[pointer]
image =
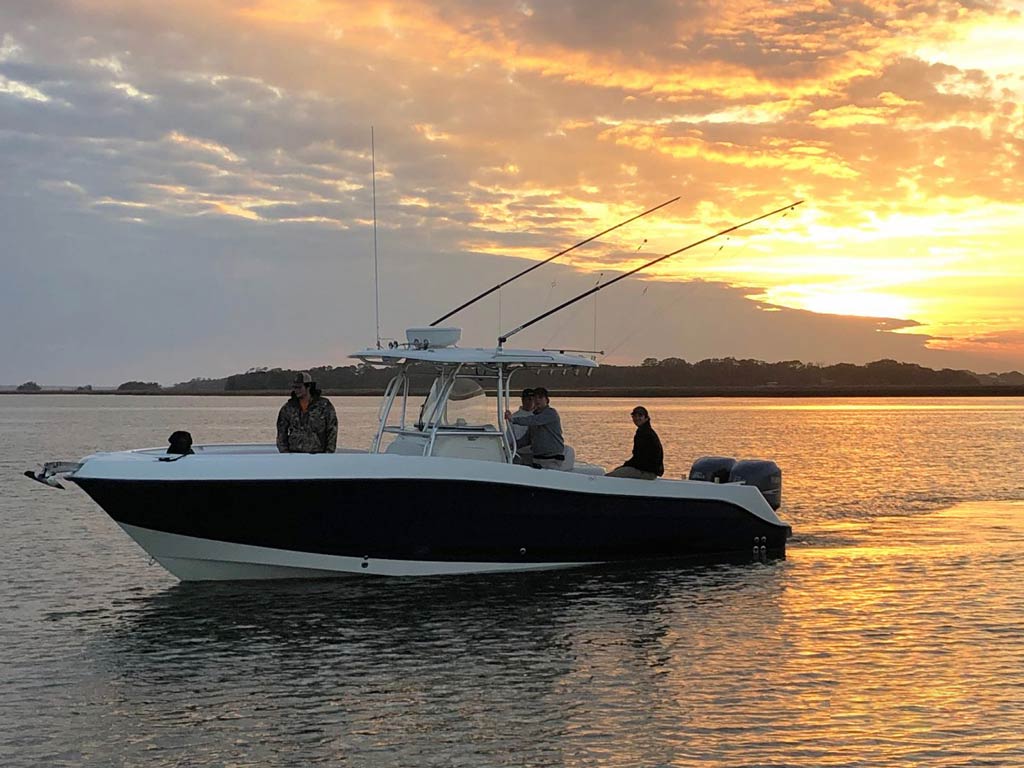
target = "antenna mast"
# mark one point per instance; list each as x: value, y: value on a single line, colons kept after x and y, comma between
x: 376, y: 281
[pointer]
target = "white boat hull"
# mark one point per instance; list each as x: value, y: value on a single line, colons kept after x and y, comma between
x: 194, y: 559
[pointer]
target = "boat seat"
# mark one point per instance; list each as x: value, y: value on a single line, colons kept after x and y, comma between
x: 582, y: 468
x: 566, y: 464
x: 570, y: 459
x: 579, y: 467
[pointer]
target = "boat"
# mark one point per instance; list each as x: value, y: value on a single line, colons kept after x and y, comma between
x: 439, y: 491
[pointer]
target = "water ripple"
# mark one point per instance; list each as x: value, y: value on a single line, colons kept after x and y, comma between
x: 889, y: 637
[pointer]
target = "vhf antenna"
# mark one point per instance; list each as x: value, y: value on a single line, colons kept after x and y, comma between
x: 376, y: 280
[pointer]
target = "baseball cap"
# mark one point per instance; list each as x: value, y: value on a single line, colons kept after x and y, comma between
x: 639, y: 411
x: 302, y: 378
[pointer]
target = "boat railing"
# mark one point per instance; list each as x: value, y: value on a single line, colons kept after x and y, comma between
x: 454, y: 429
x: 230, y: 449
x: 432, y: 424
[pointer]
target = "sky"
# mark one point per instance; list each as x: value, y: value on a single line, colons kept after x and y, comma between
x: 189, y: 187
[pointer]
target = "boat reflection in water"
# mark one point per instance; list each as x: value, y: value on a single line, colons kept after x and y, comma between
x: 438, y: 492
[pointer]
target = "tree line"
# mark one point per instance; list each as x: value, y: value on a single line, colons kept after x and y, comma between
x: 669, y: 373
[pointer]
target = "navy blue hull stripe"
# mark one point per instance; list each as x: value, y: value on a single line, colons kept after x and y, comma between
x: 446, y: 520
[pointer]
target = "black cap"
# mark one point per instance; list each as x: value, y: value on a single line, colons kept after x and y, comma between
x: 639, y: 411
x: 541, y: 392
x: 528, y: 393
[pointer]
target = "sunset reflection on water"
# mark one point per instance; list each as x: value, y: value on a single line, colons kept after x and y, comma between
x: 889, y: 636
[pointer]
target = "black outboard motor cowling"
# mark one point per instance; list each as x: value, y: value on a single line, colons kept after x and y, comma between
x: 712, y: 469
x: 766, y: 475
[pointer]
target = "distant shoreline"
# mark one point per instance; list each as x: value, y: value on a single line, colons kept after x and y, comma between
x: 867, y: 390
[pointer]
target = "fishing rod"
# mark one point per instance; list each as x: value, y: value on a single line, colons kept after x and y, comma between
x: 489, y: 291
x: 595, y: 289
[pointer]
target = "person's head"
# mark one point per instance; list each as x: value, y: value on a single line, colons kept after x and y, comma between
x: 640, y: 415
x: 540, y: 398
x: 302, y: 385
x: 527, y: 399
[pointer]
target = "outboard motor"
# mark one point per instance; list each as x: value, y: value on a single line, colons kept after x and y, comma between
x: 712, y: 469
x: 766, y: 475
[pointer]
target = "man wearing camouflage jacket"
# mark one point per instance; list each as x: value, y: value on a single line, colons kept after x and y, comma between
x: 307, y: 423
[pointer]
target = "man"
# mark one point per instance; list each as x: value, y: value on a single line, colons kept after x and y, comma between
x: 520, y: 432
x: 648, y: 459
x: 307, y: 423
x: 544, y: 431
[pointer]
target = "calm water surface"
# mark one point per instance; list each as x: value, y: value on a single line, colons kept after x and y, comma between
x: 893, y: 634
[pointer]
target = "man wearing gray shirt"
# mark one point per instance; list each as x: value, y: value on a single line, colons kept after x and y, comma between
x: 545, y: 431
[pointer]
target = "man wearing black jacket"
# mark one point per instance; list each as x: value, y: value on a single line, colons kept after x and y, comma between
x: 648, y: 459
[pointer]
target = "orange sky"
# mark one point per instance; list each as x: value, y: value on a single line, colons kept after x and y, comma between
x: 902, y: 131
x: 513, y: 129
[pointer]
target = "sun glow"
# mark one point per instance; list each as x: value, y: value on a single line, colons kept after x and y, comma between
x: 841, y: 302
x: 518, y: 130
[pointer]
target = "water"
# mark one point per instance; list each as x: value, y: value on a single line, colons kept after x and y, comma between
x: 891, y: 635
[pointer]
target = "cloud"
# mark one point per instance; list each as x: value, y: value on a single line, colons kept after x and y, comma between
x: 998, y: 340
x: 134, y: 138
x: 156, y: 301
